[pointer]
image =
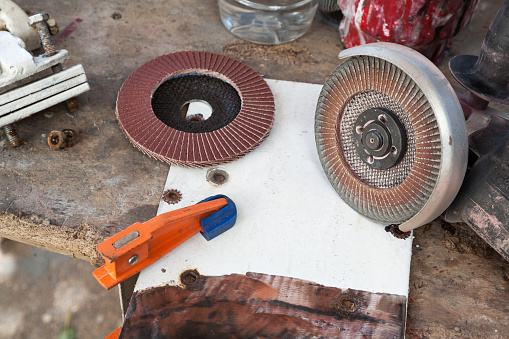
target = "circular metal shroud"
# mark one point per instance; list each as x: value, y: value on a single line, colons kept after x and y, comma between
x: 428, y: 108
x: 155, y: 138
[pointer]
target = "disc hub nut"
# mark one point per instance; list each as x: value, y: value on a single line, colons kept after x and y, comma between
x: 380, y: 138
x: 374, y: 140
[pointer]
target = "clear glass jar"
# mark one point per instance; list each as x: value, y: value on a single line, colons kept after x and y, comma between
x: 267, y: 21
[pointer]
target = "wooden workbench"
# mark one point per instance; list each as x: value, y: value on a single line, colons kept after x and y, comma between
x: 68, y: 201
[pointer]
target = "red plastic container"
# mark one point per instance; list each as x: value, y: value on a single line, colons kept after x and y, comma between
x: 424, y: 25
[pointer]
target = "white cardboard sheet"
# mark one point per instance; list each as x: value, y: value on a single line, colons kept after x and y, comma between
x: 290, y: 221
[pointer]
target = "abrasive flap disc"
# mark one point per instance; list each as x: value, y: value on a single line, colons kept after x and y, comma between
x: 153, y: 104
x: 378, y: 139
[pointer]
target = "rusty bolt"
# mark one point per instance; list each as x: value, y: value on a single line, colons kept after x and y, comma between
x: 12, y: 136
x: 396, y: 232
x: 39, y: 22
x: 347, y: 303
x: 72, y: 105
x: 172, y: 196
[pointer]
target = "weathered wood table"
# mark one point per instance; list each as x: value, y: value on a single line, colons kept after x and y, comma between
x: 68, y: 201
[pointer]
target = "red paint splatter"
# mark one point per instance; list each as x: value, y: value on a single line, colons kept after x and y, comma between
x: 67, y: 31
x: 485, y: 27
x: 410, y: 300
x: 424, y: 25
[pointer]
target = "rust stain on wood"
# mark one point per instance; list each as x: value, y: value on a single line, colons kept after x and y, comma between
x: 259, y: 305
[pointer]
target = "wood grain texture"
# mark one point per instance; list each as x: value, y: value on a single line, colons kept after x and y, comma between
x: 263, y: 306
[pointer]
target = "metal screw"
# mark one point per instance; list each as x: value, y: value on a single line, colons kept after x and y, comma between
x: 217, y: 176
x: 39, y: 22
x: 396, y: 232
x: 12, y: 136
x: 133, y: 260
x: 347, y: 303
x: 189, y: 277
x: 172, y: 196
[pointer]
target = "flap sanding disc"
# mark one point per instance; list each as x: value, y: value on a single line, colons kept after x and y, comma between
x: 391, y: 135
x: 151, y: 108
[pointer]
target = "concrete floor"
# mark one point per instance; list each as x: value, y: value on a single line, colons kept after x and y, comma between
x: 39, y: 289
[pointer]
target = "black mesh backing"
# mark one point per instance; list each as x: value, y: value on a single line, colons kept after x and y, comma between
x: 173, y: 94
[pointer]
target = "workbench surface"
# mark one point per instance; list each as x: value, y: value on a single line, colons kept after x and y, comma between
x: 69, y: 200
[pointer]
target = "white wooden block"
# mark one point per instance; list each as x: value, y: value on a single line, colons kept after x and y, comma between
x: 43, y: 104
x: 41, y: 84
x: 41, y: 95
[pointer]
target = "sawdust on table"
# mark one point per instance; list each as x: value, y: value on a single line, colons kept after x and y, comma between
x: 285, y: 54
x: 39, y: 232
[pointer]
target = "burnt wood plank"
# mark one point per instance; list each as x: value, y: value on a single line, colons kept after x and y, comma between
x: 263, y: 306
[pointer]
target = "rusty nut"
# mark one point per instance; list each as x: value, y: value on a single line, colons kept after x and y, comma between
x: 56, y: 140
x: 63, y: 138
x: 71, y: 137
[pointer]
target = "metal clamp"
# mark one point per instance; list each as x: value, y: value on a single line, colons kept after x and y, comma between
x: 138, y: 246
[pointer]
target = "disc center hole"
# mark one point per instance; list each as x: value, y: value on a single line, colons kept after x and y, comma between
x: 196, y: 110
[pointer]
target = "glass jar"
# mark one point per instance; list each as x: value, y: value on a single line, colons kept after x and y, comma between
x: 267, y: 21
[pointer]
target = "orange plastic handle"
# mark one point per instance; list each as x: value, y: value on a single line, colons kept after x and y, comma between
x: 138, y: 246
x: 115, y: 334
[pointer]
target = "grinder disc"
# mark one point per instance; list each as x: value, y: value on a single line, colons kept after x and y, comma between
x: 385, y: 143
x: 152, y: 102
